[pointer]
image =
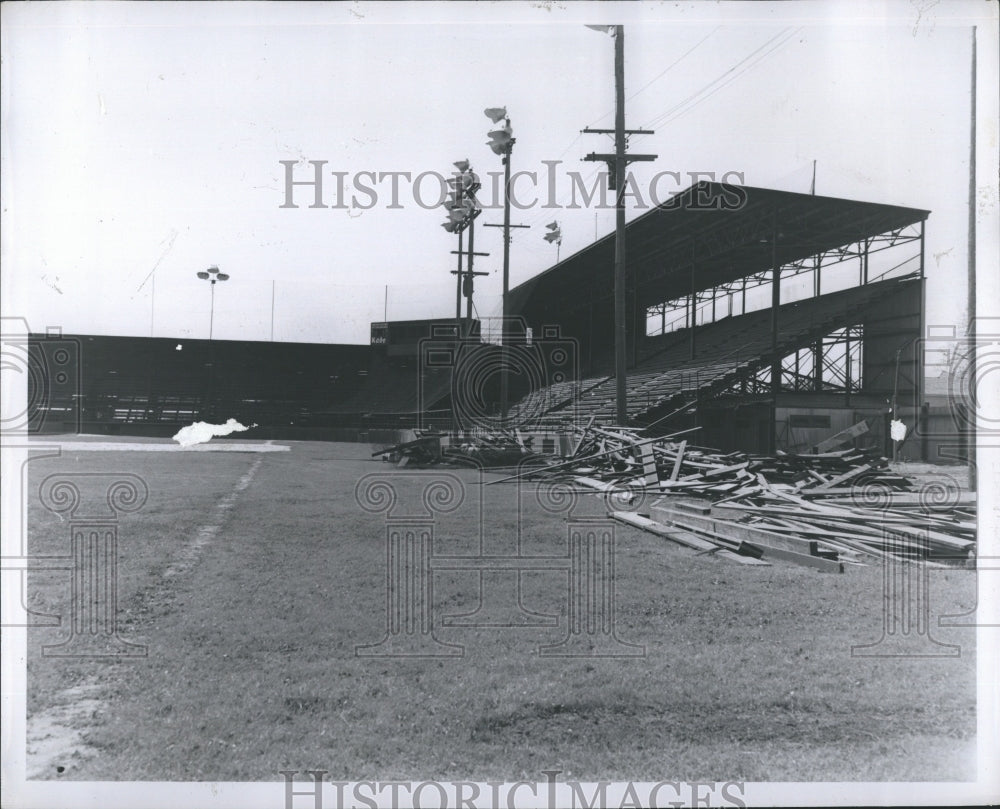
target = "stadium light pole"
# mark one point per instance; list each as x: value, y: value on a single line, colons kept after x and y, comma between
x: 212, y: 275
x: 502, y: 143
x: 463, y: 208
x: 554, y: 236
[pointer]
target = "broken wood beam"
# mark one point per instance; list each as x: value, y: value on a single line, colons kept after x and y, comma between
x: 791, y: 547
x: 680, y: 456
x: 852, y: 432
x: 686, y: 538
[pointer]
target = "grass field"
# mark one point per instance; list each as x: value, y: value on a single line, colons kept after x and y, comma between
x: 252, y: 578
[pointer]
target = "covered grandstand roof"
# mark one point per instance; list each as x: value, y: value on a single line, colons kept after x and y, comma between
x: 722, y: 232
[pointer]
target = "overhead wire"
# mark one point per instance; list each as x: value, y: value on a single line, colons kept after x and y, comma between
x: 707, y: 91
x: 711, y: 88
x: 679, y: 109
x: 661, y: 74
x: 664, y: 72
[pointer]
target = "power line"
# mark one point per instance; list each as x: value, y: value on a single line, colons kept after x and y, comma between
x: 730, y: 80
x: 661, y: 75
x: 666, y: 114
x: 678, y: 110
x: 683, y: 107
x: 538, y: 217
x: 665, y: 71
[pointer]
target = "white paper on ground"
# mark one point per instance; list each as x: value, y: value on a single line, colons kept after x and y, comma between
x: 201, y: 431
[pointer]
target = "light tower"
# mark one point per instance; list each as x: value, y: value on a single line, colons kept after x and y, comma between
x: 212, y: 274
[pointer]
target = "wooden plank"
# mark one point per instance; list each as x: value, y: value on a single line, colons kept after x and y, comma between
x: 650, y: 475
x: 821, y: 563
x: 695, y: 508
x: 737, y: 495
x: 685, y: 538
x: 680, y: 456
x: 853, y: 473
x: 613, y: 434
x: 683, y: 484
x: 565, y: 465
x: 849, y: 434
x: 866, y: 520
x: 736, y: 532
x: 604, y: 486
x: 811, y: 558
x: 899, y: 499
x: 860, y: 525
x: 725, y: 470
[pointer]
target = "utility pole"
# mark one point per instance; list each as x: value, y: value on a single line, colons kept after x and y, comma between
x: 465, y: 279
x: 458, y: 272
x: 468, y: 284
x: 775, y: 355
x: 973, y: 476
x: 616, y: 165
x: 504, y: 332
x: 462, y: 213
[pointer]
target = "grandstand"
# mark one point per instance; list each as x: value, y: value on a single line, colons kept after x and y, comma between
x: 730, y: 356
x: 751, y: 376
x: 712, y: 342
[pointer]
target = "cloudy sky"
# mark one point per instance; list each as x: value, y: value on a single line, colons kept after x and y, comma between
x: 143, y: 142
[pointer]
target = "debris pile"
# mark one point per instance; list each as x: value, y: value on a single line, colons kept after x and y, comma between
x: 484, y: 449
x: 421, y: 451
x: 839, y: 505
x: 820, y: 509
x: 623, y: 456
x: 937, y: 523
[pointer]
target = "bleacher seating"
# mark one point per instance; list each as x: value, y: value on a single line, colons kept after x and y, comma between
x: 725, y: 352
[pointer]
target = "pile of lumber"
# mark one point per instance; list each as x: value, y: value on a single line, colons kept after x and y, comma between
x: 887, y: 523
x: 493, y: 449
x: 843, y: 504
x: 490, y: 449
x: 424, y: 450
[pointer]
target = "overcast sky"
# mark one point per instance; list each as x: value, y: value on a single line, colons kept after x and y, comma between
x: 143, y: 141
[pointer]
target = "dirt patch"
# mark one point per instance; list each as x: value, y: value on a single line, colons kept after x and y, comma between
x: 55, y: 740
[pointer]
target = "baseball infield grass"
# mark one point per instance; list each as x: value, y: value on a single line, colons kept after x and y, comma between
x: 251, y: 602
